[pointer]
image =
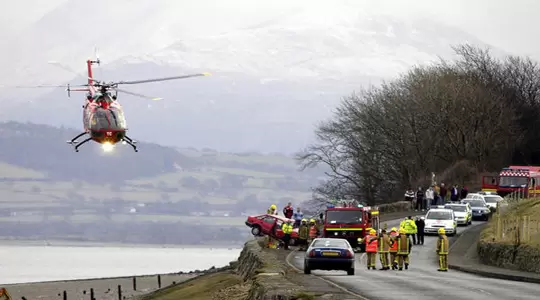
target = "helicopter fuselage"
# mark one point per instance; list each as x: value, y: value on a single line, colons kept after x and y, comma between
x: 105, y: 123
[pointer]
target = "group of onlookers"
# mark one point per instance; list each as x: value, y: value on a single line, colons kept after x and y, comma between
x: 423, y: 199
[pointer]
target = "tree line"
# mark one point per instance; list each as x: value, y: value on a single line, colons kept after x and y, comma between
x: 457, y: 118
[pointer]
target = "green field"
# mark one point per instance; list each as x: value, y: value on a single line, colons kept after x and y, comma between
x: 28, y: 198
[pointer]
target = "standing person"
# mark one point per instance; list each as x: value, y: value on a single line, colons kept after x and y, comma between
x: 430, y: 195
x: 313, y: 231
x: 303, y: 235
x: 443, y: 192
x: 419, y: 198
x: 410, y: 227
x: 442, y: 250
x: 287, y: 230
x: 384, y: 249
x: 288, y: 211
x: 404, y: 248
x: 394, y: 247
x: 371, y: 241
x: 409, y: 196
x: 454, y: 197
x: 464, y: 192
x: 298, y: 216
x: 420, y: 226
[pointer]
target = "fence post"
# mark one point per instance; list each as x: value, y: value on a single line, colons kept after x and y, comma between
x: 159, y: 281
x: 499, y: 227
x: 134, y: 283
x: 119, y: 292
x: 92, y: 294
x: 64, y: 295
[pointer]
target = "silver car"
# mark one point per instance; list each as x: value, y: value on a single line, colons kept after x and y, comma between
x: 329, y: 254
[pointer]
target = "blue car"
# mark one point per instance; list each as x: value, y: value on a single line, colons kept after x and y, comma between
x: 329, y: 254
x: 480, y: 209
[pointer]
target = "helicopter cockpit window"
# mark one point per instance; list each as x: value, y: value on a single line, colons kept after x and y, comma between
x: 107, y: 119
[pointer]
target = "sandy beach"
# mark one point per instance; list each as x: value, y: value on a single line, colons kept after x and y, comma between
x: 104, y: 288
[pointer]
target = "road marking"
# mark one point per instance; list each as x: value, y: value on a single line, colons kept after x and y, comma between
x: 288, y: 261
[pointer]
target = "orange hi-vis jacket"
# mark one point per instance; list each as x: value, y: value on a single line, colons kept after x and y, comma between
x: 394, y: 244
x: 313, y: 231
x: 372, y: 243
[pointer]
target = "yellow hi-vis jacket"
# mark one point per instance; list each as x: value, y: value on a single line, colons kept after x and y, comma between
x: 287, y: 228
x: 409, y: 226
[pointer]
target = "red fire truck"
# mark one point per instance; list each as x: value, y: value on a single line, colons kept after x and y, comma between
x: 349, y: 220
x: 524, y: 179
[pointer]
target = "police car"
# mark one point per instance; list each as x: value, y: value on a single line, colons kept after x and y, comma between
x: 462, y: 212
x: 437, y: 218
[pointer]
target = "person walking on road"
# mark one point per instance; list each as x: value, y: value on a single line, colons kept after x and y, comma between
x: 371, y: 241
x: 410, y: 227
x: 303, y: 235
x: 442, y: 250
x: 384, y: 249
x: 420, y: 226
x: 404, y: 248
x: 393, y: 247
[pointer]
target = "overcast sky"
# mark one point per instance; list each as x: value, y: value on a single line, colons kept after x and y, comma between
x: 511, y: 25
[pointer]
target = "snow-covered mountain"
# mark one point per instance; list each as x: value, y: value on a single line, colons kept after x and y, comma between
x: 275, y: 75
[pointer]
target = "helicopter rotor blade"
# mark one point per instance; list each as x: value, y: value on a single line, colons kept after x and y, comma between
x: 136, y: 94
x: 47, y: 86
x: 163, y: 78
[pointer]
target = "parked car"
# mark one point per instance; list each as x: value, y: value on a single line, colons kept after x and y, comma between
x: 437, y: 218
x: 491, y: 200
x: 270, y: 225
x: 462, y: 212
x: 480, y: 209
x: 329, y: 254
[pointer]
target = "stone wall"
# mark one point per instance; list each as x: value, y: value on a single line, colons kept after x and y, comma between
x: 266, y: 273
x: 401, y: 206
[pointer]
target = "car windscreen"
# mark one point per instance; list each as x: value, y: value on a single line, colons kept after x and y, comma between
x: 492, y: 199
x: 458, y: 208
x: 475, y: 203
x: 343, y: 216
x: 439, y: 215
x: 337, y: 243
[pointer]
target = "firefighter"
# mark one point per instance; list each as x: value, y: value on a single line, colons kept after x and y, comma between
x: 394, y: 247
x: 442, y: 250
x: 272, y: 210
x: 303, y: 234
x: 404, y: 248
x: 384, y: 249
x: 287, y: 230
x: 371, y: 241
x: 313, y: 231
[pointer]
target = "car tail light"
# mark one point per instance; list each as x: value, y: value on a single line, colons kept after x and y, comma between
x: 348, y: 253
x: 311, y: 253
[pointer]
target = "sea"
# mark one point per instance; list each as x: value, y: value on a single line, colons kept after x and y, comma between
x: 38, y: 263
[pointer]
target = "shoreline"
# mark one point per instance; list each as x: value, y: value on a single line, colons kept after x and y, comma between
x: 66, y: 243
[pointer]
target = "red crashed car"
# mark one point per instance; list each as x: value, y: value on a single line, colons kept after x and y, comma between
x: 270, y: 225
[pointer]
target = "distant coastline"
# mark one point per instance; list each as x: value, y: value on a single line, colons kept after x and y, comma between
x: 66, y: 243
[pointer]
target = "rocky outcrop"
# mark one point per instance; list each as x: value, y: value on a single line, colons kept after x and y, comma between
x: 266, y: 273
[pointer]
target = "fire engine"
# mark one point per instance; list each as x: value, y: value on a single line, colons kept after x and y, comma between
x: 523, y: 179
x: 349, y: 220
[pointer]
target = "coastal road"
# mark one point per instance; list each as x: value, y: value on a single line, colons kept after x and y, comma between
x: 422, y: 281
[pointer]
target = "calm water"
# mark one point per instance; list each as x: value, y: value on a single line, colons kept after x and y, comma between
x: 20, y: 264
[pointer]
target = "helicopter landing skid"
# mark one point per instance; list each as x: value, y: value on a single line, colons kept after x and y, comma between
x: 130, y: 142
x: 77, y: 144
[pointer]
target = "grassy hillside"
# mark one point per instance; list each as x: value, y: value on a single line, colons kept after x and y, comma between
x: 158, y: 184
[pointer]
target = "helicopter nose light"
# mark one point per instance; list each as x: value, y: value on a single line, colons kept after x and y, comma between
x: 107, y: 147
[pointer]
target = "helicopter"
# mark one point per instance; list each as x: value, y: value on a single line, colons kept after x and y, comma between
x: 104, y: 121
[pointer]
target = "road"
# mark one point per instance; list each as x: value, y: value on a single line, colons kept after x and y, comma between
x: 422, y: 280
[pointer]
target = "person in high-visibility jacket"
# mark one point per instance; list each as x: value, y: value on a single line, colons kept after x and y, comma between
x: 404, y: 248
x: 384, y: 249
x: 287, y: 229
x: 410, y: 227
x: 393, y: 247
x: 313, y: 231
x: 442, y: 250
x: 372, y: 242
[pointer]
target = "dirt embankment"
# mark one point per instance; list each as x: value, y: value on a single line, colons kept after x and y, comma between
x: 512, y: 238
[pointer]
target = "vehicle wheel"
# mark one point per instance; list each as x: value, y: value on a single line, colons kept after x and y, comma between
x: 292, y: 242
x: 470, y: 222
x: 256, y: 230
x: 307, y: 270
x: 350, y: 271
